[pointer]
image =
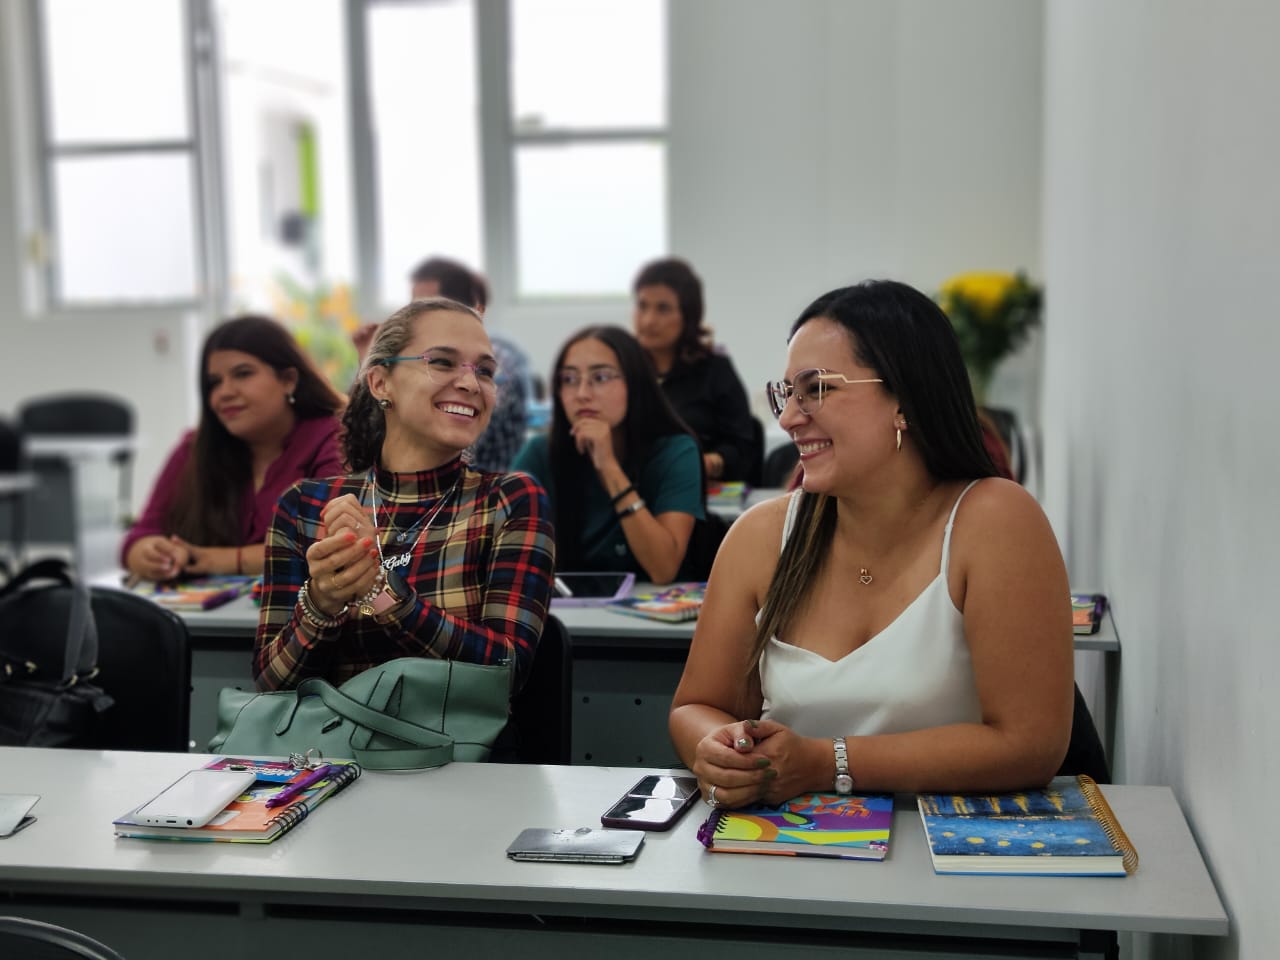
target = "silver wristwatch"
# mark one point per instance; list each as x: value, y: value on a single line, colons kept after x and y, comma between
x: 844, y: 782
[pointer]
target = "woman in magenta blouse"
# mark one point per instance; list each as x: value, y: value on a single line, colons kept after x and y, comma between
x: 268, y: 419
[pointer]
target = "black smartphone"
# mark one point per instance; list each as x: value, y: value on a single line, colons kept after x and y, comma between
x: 654, y: 803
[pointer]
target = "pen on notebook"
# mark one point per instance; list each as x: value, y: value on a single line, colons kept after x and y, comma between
x: 563, y: 588
x: 296, y: 787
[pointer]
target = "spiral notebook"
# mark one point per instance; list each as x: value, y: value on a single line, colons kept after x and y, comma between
x: 248, y: 819
x: 810, y: 825
x: 1066, y: 829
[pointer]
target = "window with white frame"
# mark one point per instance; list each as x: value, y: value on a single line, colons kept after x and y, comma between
x: 588, y: 114
x: 526, y: 138
x: 118, y: 150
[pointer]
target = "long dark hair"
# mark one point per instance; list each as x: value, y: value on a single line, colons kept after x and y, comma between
x: 220, y: 465
x: 695, y: 339
x: 904, y: 336
x: 364, y: 425
x: 650, y: 417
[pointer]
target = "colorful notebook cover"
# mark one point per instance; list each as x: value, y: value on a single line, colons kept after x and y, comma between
x: 1087, y: 610
x: 248, y: 819
x: 672, y: 605
x: 198, y: 593
x: 1066, y: 829
x: 810, y: 825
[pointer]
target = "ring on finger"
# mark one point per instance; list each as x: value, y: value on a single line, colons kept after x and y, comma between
x: 711, y: 797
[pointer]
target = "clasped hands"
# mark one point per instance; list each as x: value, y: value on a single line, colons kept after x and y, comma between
x: 162, y: 558
x: 345, y: 562
x: 748, y: 761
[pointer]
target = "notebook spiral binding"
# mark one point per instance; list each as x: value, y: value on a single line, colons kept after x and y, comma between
x: 296, y: 812
x: 1110, y: 825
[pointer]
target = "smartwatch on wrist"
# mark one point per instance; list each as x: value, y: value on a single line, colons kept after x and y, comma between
x: 393, y: 593
x: 844, y: 782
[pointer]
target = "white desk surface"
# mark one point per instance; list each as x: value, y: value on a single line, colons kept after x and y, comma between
x: 346, y: 854
x: 11, y: 483
x: 239, y: 618
x: 77, y: 446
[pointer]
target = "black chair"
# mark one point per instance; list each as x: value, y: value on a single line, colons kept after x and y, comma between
x: 85, y: 415
x: 779, y: 465
x: 144, y: 663
x: 541, y: 711
x: 21, y: 937
x: 1006, y: 424
x: 755, y: 469
x: 12, y: 495
x: 1085, y: 753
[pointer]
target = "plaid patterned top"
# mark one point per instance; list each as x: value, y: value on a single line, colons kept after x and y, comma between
x: 480, y: 570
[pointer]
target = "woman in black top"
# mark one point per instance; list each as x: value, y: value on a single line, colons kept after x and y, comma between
x: 700, y: 383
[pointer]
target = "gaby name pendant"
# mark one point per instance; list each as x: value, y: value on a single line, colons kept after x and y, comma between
x: 393, y: 563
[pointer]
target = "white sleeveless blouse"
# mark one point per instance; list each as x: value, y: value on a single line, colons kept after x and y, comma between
x: 913, y: 674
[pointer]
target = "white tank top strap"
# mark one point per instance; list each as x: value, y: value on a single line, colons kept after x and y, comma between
x: 792, y: 509
x: 946, y: 536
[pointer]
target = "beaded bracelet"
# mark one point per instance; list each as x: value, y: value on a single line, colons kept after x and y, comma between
x: 630, y: 488
x: 364, y: 605
x: 630, y: 509
x: 313, y: 615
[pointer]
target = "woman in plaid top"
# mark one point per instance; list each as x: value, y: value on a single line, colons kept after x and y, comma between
x: 414, y: 553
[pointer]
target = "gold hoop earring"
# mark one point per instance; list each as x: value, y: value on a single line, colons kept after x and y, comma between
x: 899, y: 438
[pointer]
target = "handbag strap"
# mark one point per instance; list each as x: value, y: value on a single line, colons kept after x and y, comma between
x: 431, y: 748
x: 82, y: 632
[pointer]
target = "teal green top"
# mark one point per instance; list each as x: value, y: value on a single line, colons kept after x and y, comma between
x: 671, y: 481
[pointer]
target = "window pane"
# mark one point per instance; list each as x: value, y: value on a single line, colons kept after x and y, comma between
x: 124, y: 229
x: 286, y: 158
x: 422, y: 66
x: 116, y: 71
x: 588, y: 215
x: 584, y: 64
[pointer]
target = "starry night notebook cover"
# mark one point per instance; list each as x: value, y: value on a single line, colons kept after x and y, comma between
x: 1066, y: 829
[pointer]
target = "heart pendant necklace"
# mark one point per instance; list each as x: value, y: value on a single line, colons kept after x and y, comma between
x: 865, y: 577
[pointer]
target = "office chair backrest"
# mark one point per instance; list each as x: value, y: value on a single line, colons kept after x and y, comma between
x: 1085, y: 753
x: 22, y: 937
x: 778, y: 466
x: 144, y: 664
x: 77, y: 414
x: 10, y: 447
x: 755, y: 469
x: 541, y: 710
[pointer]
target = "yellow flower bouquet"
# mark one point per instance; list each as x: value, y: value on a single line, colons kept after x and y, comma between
x: 322, y: 319
x: 992, y: 314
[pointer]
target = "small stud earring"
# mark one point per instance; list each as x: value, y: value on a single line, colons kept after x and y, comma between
x: 384, y: 403
x: 290, y: 397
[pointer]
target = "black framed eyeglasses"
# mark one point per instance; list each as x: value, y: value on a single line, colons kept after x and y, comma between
x: 809, y: 387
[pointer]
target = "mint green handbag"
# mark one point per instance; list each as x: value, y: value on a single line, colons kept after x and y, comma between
x: 405, y: 714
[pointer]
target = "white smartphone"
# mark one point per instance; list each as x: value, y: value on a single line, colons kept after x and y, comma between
x: 195, y: 799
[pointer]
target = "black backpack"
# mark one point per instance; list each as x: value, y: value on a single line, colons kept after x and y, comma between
x: 48, y: 658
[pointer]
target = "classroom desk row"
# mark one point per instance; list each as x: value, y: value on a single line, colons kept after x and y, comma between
x: 413, y: 864
x: 625, y: 671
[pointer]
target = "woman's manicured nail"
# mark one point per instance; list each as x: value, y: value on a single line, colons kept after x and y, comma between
x: 762, y: 762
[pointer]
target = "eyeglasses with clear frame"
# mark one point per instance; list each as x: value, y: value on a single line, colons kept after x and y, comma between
x: 596, y: 378
x: 443, y: 368
x: 809, y: 387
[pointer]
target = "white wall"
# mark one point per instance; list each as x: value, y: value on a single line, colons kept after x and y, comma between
x: 812, y: 144
x: 821, y: 142
x: 1162, y: 235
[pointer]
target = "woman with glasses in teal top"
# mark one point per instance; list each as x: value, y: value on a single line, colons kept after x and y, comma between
x: 902, y: 622
x: 623, y: 472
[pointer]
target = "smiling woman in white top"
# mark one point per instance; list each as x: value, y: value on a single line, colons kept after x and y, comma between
x: 902, y: 622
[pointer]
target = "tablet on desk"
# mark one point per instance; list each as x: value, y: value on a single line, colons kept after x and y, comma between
x: 591, y: 589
